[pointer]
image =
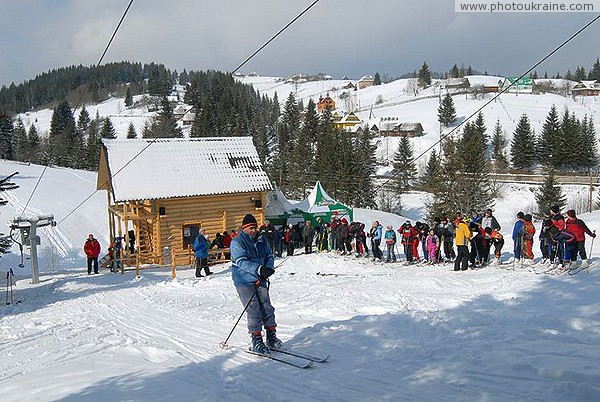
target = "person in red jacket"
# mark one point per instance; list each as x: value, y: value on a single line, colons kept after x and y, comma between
x: 408, y: 236
x: 579, y: 229
x: 91, y: 249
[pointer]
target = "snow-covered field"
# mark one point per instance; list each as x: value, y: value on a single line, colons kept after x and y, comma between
x: 393, y: 332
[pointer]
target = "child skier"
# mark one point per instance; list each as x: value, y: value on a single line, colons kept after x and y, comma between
x: 528, y: 234
x: 390, y: 244
x: 432, y: 244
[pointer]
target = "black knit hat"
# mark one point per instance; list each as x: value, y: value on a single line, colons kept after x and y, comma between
x: 249, y: 220
x: 520, y: 215
x: 555, y: 209
x: 528, y: 217
x: 571, y: 213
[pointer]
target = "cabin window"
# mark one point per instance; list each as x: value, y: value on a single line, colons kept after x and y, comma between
x: 190, y: 232
x: 162, y: 211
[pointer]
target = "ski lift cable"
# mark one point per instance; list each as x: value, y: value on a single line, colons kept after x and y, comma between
x: 114, y: 34
x: 275, y: 36
x: 105, y: 51
x: 564, y: 43
x: 155, y: 139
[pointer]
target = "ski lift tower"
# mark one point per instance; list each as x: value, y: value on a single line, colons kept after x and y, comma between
x: 28, y: 228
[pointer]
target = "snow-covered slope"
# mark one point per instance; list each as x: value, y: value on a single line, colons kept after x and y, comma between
x: 393, y: 332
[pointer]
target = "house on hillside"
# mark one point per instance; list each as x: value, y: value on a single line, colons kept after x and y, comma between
x: 348, y: 121
x: 586, y: 88
x: 325, y: 103
x: 520, y: 86
x: 165, y: 190
x: 398, y: 130
x: 366, y: 81
x: 457, y: 83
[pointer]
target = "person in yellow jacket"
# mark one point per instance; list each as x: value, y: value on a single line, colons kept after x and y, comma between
x: 463, y: 236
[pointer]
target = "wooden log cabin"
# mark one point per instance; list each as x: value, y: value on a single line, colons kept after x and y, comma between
x: 165, y: 190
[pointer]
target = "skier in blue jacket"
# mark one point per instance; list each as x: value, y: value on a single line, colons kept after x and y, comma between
x: 252, y: 263
x: 517, y: 235
x: 201, y: 252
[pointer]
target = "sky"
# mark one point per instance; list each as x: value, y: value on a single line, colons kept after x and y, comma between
x: 338, y: 37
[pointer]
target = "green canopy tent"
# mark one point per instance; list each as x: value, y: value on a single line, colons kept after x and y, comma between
x: 319, y: 204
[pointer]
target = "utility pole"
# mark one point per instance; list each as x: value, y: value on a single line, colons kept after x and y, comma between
x: 28, y: 228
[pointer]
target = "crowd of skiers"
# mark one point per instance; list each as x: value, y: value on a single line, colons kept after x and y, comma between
x: 467, y: 241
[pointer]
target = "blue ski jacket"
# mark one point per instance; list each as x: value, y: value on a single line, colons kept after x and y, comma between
x: 201, y: 247
x: 247, y: 256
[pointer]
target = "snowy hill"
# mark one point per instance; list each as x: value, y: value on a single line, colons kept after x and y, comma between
x: 393, y: 332
x: 394, y: 99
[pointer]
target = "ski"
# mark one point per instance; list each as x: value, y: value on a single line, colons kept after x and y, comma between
x: 304, y: 364
x: 316, y: 359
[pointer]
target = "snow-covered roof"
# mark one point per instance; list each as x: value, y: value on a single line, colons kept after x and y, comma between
x: 367, y: 77
x: 484, y: 80
x: 143, y: 169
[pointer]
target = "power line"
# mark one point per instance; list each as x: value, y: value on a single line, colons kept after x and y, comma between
x: 498, y: 94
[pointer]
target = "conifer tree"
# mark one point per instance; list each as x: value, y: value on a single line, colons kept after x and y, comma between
x: 62, y: 135
x: 303, y: 161
x: 92, y: 149
x: 164, y: 124
x: 289, y: 128
x: 479, y: 125
x: 365, y: 188
x: 377, y: 79
x: 131, y: 134
x: 33, y: 140
x: 594, y: 73
x: 128, y: 98
x: 404, y: 166
x: 570, y: 139
x: 424, y: 76
x: 83, y: 121
x: 548, y: 195
x: 6, y: 132
x: 498, y: 145
x: 447, y: 111
x: 432, y: 173
x: 588, y: 156
x: 476, y: 182
x: 522, y: 147
x: 550, y: 141
x: 454, y: 73
x: 326, y: 151
x: 580, y: 74
x: 447, y: 194
x: 108, y: 130
x: 20, y: 144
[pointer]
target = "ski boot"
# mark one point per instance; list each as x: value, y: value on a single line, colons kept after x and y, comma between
x: 258, y: 346
x: 272, y: 341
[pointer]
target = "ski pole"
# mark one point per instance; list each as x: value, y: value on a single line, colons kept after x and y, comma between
x: 224, y: 345
x: 592, y: 246
x: 7, y: 275
x: 12, y: 281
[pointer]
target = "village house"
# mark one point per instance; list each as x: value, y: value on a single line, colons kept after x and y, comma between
x: 187, y: 184
x: 402, y: 129
x: 366, y: 81
x: 586, y: 88
x: 348, y: 122
x: 325, y: 103
x: 524, y: 85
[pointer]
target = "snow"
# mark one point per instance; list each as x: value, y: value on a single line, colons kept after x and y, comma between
x: 183, y: 167
x: 393, y: 332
